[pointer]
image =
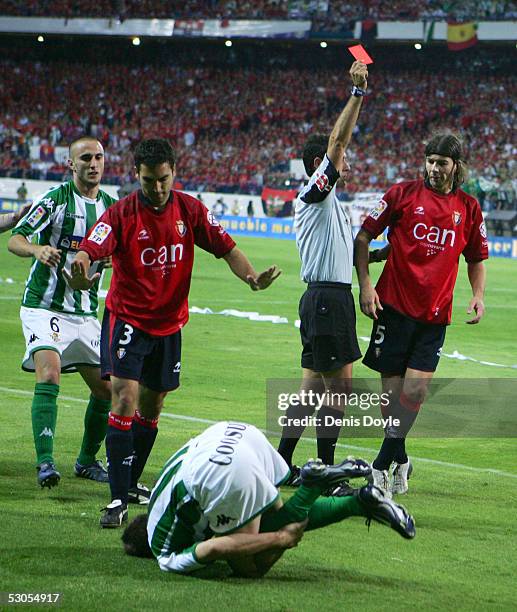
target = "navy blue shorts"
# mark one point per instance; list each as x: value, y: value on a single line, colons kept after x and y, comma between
x: 398, y: 343
x: 128, y: 352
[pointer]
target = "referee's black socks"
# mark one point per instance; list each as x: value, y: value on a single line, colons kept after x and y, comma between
x: 327, y: 433
x: 292, y: 433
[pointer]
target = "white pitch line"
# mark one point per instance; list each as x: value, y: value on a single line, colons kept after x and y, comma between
x: 184, y: 417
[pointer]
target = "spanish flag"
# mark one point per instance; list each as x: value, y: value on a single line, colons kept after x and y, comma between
x: 461, y: 35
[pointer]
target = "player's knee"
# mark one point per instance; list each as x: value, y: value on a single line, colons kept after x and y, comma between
x: 124, y: 401
x: 102, y: 391
x: 48, y: 374
x: 415, y: 395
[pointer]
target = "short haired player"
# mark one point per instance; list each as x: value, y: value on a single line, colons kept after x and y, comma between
x: 151, y: 235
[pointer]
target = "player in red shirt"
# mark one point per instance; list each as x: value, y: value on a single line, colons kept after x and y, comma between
x: 150, y: 235
x: 431, y: 223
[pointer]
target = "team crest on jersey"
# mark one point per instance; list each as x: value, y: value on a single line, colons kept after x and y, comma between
x: 211, y: 219
x: 36, y: 216
x: 456, y: 217
x: 48, y: 203
x: 121, y: 353
x: 482, y: 229
x: 100, y: 233
x: 379, y: 209
x: 181, y: 228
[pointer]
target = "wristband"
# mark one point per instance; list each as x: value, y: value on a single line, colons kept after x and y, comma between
x: 358, y: 92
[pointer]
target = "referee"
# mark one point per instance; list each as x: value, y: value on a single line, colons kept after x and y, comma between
x: 327, y: 312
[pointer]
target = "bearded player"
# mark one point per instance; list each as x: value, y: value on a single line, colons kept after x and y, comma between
x: 431, y: 223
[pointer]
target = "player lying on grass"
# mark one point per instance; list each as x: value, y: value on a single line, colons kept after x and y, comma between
x: 225, y: 483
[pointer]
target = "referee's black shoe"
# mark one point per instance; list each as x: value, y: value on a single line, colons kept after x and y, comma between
x: 379, y: 508
x: 114, y: 515
x: 316, y: 474
x: 294, y: 479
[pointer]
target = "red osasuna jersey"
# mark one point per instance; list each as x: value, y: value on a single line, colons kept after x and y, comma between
x: 153, y: 255
x: 428, y: 232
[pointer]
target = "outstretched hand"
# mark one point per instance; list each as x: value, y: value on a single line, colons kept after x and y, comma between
x: 264, y: 279
x: 79, y: 279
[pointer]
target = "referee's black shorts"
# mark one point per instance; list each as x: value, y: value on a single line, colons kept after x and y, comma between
x: 327, y: 328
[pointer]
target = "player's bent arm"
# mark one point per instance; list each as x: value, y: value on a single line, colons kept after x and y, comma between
x: 477, y: 278
x: 9, y: 220
x: 46, y: 254
x: 241, y: 266
x: 379, y: 255
x: 240, y: 549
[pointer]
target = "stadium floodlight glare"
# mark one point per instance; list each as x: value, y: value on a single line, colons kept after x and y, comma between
x: 418, y: 46
x: 323, y: 44
x: 228, y: 43
x: 41, y: 38
x: 136, y: 41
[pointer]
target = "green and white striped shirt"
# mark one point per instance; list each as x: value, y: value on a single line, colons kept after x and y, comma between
x: 61, y: 218
x: 176, y: 522
x: 217, y: 483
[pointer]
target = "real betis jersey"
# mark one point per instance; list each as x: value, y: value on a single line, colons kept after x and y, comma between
x: 215, y: 484
x: 61, y: 218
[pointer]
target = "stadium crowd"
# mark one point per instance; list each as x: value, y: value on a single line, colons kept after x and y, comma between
x: 324, y: 13
x: 236, y: 128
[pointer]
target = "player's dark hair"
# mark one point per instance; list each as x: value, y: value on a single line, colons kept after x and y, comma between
x: 154, y: 151
x: 134, y: 538
x: 315, y: 146
x: 448, y: 145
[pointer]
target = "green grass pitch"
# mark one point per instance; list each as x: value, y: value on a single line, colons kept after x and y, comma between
x: 463, y: 557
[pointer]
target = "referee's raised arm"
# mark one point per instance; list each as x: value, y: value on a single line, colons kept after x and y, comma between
x: 342, y: 132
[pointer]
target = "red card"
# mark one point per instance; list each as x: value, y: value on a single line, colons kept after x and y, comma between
x: 359, y: 52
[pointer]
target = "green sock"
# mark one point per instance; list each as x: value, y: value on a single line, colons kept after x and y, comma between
x: 44, y: 416
x: 295, y: 509
x: 95, y: 425
x: 332, y: 510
